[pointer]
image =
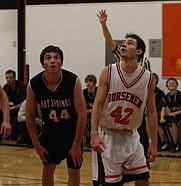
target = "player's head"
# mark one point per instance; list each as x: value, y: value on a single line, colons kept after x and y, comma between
x: 140, y: 44
x: 49, y: 49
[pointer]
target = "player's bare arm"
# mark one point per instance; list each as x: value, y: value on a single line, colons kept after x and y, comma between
x: 152, y: 123
x: 5, y: 128
x: 96, y: 112
x: 80, y: 108
x: 31, y: 124
x: 102, y: 15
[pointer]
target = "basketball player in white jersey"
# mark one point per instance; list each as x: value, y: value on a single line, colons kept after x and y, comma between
x: 124, y: 90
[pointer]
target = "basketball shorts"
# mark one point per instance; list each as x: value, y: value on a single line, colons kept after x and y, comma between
x: 58, y: 145
x: 123, y: 159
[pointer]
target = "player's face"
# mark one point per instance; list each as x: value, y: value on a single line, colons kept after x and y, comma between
x: 52, y: 62
x: 129, y: 48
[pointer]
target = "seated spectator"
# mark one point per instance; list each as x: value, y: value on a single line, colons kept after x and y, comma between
x: 171, y: 112
x: 16, y: 92
x: 159, y: 94
x: 24, y: 137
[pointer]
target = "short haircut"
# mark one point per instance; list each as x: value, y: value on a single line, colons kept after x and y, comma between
x: 173, y: 79
x: 157, y: 78
x: 140, y: 44
x: 49, y: 49
x: 11, y: 72
x: 91, y: 77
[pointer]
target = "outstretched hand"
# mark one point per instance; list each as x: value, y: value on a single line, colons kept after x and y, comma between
x: 102, y: 16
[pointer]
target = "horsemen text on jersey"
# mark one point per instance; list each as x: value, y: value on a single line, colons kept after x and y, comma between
x: 126, y: 98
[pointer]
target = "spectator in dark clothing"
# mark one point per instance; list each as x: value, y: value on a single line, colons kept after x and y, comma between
x: 171, y: 112
x: 89, y: 95
x: 163, y: 132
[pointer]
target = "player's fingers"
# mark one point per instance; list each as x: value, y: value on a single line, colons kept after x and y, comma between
x: 98, y: 16
x: 103, y: 144
x: 77, y: 161
x: 7, y: 132
x: 98, y: 149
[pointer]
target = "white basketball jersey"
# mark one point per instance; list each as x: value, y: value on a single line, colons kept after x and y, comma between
x: 126, y: 98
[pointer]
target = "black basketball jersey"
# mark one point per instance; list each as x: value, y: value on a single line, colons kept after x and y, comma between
x: 57, y: 105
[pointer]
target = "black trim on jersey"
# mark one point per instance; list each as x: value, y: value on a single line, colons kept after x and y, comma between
x: 134, y: 81
x: 149, y: 83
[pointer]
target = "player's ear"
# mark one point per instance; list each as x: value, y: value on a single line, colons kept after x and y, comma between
x: 139, y: 51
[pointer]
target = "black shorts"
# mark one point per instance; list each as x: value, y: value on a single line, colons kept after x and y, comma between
x: 58, y: 143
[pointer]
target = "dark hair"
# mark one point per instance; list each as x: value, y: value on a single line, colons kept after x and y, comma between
x: 49, y: 49
x: 157, y: 78
x: 171, y: 79
x: 140, y: 44
x: 91, y: 78
x: 11, y: 72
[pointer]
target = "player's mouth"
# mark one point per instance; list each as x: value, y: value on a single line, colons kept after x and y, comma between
x: 52, y: 66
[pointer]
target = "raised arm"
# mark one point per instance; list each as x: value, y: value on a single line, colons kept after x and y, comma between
x: 102, y: 15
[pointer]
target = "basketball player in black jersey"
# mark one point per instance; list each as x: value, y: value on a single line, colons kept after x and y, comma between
x: 59, y: 93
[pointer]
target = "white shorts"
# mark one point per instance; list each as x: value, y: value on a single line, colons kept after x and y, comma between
x: 124, y: 154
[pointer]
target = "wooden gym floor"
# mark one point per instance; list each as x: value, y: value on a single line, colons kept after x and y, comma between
x: 21, y: 166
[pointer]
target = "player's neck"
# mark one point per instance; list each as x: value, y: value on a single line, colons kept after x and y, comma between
x: 129, y: 66
x: 53, y: 79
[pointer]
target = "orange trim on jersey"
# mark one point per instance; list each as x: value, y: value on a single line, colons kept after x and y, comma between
x: 114, y: 176
x: 137, y: 168
x: 128, y: 85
